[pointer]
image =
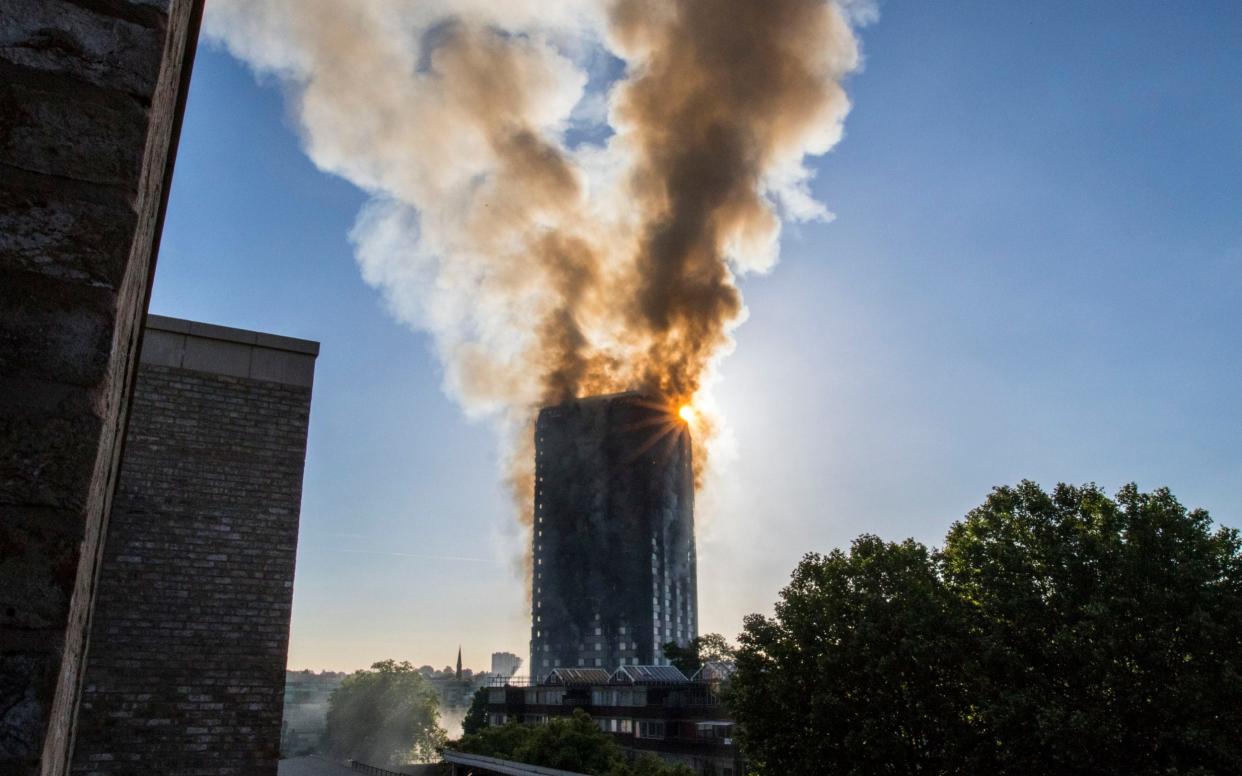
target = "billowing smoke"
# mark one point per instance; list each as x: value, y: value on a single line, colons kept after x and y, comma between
x: 562, y: 193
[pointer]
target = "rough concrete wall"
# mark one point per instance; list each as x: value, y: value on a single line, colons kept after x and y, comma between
x: 91, y: 94
x: 186, y: 669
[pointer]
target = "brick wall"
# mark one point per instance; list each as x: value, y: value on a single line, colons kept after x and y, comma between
x: 186, y: 667
x: 91, y: 98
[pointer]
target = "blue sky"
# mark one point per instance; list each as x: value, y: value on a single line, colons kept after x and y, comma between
x: 1035, y: 272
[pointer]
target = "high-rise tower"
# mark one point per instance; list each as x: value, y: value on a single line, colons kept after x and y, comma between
x: 614, y: 558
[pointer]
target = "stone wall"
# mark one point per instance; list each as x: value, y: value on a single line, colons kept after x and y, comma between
x: 186, y: 668
x: 91, y: 96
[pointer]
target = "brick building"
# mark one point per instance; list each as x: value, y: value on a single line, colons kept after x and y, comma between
x: 185, y: 671
x: 646, y: 708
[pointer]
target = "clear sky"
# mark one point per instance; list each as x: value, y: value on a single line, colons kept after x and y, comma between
x: 1035, y: 272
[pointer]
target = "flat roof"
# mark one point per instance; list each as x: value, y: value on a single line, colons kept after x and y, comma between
x: 223, y: 350
x: 229, y: 334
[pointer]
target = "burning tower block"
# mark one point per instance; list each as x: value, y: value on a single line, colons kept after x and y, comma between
x: 614, y: 558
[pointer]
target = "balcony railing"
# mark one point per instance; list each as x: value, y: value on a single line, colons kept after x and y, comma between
x: 511, y: 681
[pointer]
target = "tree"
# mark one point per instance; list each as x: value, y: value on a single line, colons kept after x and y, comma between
x: 385, y: 716
x: 648, y: 764
x: 569, y: 743
x: 1108, y: 632
x: 701, y: 649
x: 476, y: 716
x: 572, y: 743
x: 1055, y: 633
x: 859, y: 671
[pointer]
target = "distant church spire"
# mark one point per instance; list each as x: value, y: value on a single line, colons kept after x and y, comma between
x: 458, y: 661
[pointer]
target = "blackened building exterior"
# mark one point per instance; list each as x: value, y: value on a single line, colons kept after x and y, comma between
x: 614, y: 557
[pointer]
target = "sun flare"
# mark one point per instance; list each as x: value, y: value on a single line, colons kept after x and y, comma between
x: 687, y: 413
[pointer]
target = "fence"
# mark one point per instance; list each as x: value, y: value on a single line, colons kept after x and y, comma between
x: 511, y: 681
x: 371, y: 770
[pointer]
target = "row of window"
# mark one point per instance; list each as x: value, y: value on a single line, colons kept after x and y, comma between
x: 596, y: 662
x: 613, y: 696
x: 636, y: 727
x: 610, y: 725
x: 598, y: 646
x: 598, y: 630
x: 545, y: 697
x: 582, y: 662
x: 603, y: 697
x: 639, y: 728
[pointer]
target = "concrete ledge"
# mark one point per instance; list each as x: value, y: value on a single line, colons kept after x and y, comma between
x: 229, y: 334
x: 205, y: 347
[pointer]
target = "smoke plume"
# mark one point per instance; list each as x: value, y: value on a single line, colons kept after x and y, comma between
x: 562, y: 194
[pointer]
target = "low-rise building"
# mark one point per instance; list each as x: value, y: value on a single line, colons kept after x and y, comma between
x: 646, y: 708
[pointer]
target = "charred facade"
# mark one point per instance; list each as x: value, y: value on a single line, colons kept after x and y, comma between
x: 614, y: 557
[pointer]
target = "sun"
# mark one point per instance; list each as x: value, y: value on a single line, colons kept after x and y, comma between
x: 687, y: 413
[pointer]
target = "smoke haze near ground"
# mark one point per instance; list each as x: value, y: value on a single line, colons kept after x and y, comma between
x: 550, y: 248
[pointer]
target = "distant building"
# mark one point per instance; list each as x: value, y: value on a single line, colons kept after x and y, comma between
x: 305, y: 716
x: 505, y: 663
x: 614, y: 557
x: 646, y: 709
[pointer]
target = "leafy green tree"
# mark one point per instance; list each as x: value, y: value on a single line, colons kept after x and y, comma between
x: 476, y: 716
x: 648, y: 764
x: 569, y: 743
x: 572, y: 743
x: 701, y: 649
x: 388, y: 715
x: 1063, y: 633
x: 1108, y: 632
x: 860, y: 670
